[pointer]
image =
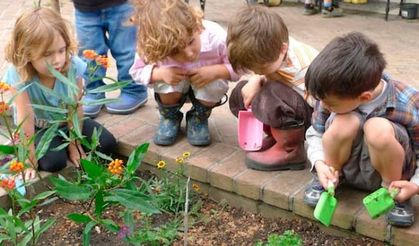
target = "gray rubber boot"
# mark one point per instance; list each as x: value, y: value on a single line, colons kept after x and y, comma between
x: 170, y: 119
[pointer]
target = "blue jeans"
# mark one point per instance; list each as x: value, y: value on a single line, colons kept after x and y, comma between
x: 106, y: 29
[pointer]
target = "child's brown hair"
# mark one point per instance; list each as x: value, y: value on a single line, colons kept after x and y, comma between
x: 34, y: 31
x: 348, y: 66
x: 164, y: 27
x: 254, y: 37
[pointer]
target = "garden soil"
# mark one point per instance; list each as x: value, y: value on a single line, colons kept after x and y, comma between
x: 219, y: 225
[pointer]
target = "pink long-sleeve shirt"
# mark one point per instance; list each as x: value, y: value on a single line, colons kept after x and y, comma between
x: 213, y: 51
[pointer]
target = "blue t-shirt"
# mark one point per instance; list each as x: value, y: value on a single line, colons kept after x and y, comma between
x: 39, y: 96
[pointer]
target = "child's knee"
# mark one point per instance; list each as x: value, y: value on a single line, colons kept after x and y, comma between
x: 107, y: 143
x: 53, y: 161
x: 344, y: 127
x: 378, y: 132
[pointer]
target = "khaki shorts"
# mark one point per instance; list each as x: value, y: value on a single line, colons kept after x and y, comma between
x: 358, y: 170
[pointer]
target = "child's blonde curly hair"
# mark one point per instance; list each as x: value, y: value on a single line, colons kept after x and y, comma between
x: 34, y: 31
x: 164, y: 27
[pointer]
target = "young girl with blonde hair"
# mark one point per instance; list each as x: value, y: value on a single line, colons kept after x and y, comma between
x: 181, y: 55
x: 40, y: 38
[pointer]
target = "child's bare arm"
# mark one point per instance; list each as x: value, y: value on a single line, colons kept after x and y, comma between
x: 204, y: 75
x: 253, y: 86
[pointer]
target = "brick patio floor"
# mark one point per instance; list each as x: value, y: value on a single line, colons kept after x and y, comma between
x: 219, y: 168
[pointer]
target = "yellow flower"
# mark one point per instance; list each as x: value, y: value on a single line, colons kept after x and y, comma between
x: 16, y: 166
x: 179, y: 160
x: 115, y: 167
x: 196, y: 187
x: 186, y: 154
x: 161, y: 164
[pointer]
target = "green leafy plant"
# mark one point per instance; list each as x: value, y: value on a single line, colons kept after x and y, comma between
x: 288, y: 238
x: 102, y: 184
x: 19, y: 225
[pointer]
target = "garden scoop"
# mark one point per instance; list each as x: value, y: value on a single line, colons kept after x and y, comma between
x: 250, y: 131
x: 326, y: 206
x: 380, y: 202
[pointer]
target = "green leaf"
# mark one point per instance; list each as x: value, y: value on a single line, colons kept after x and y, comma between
x: 86, y: 232
x: 79, y: 218
x: 98, y: 101
x: 52, y: 93
x: 48, y: 201
x: 93, y: 171
x: 43, y: 195
x: 110, y: 225
x: 136, y: 157
x: 76, y: 125
x: 132, y: 200
x: 51, y: 109
x: 103, y: 156
x: 109, y: 87
x: 129, y: 220
x: 61, y: 146
x: 62, y: 78
x: 45, y: 141
x: 7, y: 149
x: 71, y: 191
x: 99, y: 203
x: 45, y: 226
x: 4, y: 237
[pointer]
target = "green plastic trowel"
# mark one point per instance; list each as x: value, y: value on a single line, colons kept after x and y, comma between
x: 326, y: 206
x: 380, y: 202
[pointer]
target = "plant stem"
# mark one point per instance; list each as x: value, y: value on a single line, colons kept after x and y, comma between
x: 185, y: 215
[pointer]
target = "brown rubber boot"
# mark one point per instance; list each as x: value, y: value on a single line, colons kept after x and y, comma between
x: 268, y: 140
x: 287, y: 153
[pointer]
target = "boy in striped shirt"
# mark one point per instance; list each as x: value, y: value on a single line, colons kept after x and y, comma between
x: 365, y: 126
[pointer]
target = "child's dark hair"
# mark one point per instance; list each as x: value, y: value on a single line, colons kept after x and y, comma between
x: 348, y: 66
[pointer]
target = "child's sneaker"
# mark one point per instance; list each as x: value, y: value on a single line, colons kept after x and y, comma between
x: 401, y: 215
x: 332, y: 12
x: 92, y: 111
x: 313, y: 192
x: 309, y: 9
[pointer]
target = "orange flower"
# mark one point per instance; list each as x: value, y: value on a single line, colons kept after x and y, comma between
x: 115, y: 167
x: 90, y: 54
x: 103, y: 61
x: 8, y: 184
x: 16, y: 166
x: 4, y: 87
x: 3, y: 107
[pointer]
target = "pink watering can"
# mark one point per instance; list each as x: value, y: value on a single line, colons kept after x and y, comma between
x: 250, y: 131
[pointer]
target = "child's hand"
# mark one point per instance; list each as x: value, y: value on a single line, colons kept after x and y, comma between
x: 74, y: 155
x: 406, y: 189
x: 250, y: 90
x: 170, y: 75
x: 202, y: 76
x: 326, y: 173
x: 28, y: 174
